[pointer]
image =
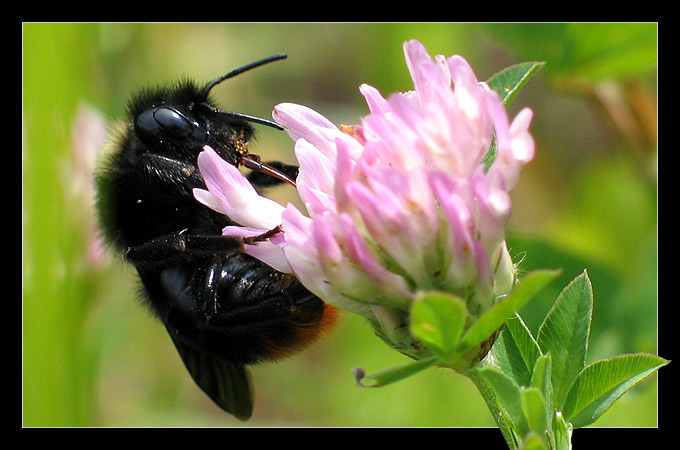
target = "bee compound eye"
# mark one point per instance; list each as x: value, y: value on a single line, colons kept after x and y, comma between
x: 173, y: 122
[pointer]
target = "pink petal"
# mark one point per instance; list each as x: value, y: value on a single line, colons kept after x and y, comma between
x: 302, y: 122
x: 235, y: 195
x: 207, y: 199
x: 316, y: 170
x: 493, y: 208
x: 391, y: 285
x: 515, y: 146
x: 376, y: 103
x: 270, y: 254
x: 429, y: 77
x: 316, y: 201
x: 454, y: 199
x: 266, y: 251
x: 522, y: 142
x: 242, y: 232
x: 344, y: 173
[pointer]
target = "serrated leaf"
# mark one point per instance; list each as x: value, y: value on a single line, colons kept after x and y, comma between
x: 600, y: 384
x: 437, y: 320
x: 510, y: 80
x: 564, y: 334
x: 525, y: 289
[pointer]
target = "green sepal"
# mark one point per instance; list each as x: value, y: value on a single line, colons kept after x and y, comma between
x: 525, y: 289
x: 438, y: 320
x: 393, y: 374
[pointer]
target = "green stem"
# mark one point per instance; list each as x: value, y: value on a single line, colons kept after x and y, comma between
x: 490, y: 398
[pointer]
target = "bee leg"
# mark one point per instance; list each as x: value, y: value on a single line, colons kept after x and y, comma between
x: 179, y: 245
x: 262, y: 180
x: 170, y: 171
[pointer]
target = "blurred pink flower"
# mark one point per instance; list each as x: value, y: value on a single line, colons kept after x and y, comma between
x: 402, y: 202
x: 88, y: 134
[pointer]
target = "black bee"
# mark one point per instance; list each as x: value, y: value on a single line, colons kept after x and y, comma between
x: 222, y: 308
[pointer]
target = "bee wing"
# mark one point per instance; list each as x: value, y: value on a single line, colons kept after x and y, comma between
x: 226, y: 383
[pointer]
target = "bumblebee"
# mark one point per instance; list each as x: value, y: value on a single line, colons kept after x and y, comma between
x: 223, y: 309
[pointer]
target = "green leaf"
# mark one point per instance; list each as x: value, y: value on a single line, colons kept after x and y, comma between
x: 477, y: 376
x: 516, y: 351
x: 493, y: 319
x: 508, y: 396
x: 564, y: 334
x: 562, y: 431
x: 540, y: 378
x: 535, y: 409
x: 507, y: 83
x: 533, y: 441
x: 540, y: 381
x: 510, y: 80
x: 394, y: 374
x: 600, y: 384
x: 438, y: 319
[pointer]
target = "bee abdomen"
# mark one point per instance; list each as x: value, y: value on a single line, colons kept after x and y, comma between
x: 249, y: 302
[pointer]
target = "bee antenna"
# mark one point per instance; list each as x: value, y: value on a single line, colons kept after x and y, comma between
x: 240, y: 70
x: 248, y: 118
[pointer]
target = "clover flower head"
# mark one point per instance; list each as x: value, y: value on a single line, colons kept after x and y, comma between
x: 401, y: 203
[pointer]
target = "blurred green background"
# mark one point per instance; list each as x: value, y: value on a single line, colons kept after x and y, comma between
x: 93, y: 356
